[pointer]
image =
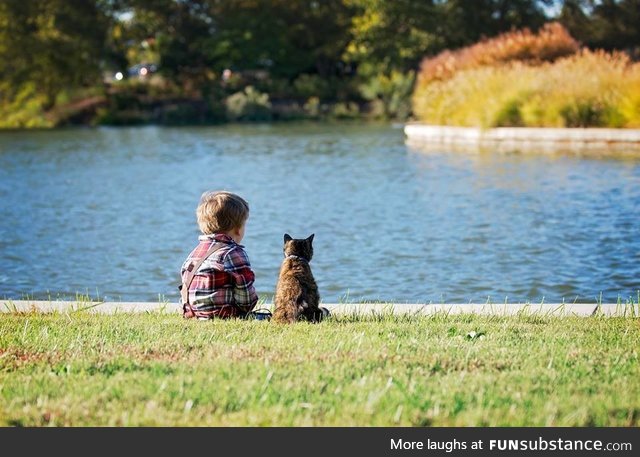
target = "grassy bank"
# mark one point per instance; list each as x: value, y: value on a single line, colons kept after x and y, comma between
x: 80, y: 369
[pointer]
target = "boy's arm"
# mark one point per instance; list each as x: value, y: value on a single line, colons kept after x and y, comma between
x: 237, y: 264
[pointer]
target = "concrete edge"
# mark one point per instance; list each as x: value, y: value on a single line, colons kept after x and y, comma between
x: 377, y: 309
x: 584, y: 140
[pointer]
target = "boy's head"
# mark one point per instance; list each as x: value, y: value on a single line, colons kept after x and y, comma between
x: 222, y: 212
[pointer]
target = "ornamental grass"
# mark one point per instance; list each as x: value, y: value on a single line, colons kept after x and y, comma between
x: 550, y: 43
x: 585, y: 89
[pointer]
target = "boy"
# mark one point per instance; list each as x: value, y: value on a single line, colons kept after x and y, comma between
x: 221, y: 283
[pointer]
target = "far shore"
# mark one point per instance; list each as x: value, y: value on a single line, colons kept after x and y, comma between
x: 584, y: 141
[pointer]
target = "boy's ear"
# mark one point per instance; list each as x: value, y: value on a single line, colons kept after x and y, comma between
x: 287, y: 237
x: 310, y: 239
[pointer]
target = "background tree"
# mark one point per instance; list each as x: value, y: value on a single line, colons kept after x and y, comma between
x: 51, y: 45
x: 463, y: 22
x: 329, y: 50
x: 606, y: 24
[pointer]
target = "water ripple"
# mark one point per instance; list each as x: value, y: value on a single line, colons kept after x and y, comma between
x: 112, y: 212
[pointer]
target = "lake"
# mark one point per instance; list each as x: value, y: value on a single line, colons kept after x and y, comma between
x: 110, y: 213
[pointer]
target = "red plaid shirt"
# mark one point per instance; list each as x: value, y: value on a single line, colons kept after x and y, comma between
x: 223, y: 285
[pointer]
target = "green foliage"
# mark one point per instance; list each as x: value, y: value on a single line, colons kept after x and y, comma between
x: 54, y: 45
x: 393, y: 93
x: 465, y: 22
x: 248, y: 105
x: 312, y: 107
x: 340, y: 51
x: 630, y: 104
x: 306, y: 86
x: 509, y: 114
x: 609, y: 25
x: 345, y: 110
x: 106, y: 116
x: 179, y: 114
x: 582, y: 113
x: 24, y: 109
x: 392, y: 35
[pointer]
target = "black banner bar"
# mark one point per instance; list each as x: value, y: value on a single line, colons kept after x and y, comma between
x: 309, y: 441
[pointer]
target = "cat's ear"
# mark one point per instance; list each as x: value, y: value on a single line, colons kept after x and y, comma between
x: 287, y: 237
x: 310, y: 239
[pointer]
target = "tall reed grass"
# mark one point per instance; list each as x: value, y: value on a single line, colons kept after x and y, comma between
x: 550, y: 43
x: 497, y: 84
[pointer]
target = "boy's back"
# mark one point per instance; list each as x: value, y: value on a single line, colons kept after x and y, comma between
x: 223, y: 284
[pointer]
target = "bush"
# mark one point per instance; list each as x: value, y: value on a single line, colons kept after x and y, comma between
x: 550, y: 43
x: 107, y: 116
x: 248, y: 105
x: 345, y: 110
x: 24, y: 109
x: 594, y: 89
x: 306, y: 86
x: 390, y: 94
x: 312, y: 107
x: 179, y: 114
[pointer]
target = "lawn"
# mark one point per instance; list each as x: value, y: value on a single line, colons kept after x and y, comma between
x: 156, y: 369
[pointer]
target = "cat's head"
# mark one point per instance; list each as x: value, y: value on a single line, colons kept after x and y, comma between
x: 298, y: 247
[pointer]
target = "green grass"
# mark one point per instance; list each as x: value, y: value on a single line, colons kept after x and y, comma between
x: 83, y: 369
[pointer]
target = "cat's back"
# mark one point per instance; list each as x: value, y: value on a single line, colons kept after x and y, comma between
x: 291, y: 268
x: 296, y: 290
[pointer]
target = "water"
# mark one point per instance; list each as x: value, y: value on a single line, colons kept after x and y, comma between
x: 111, y: 213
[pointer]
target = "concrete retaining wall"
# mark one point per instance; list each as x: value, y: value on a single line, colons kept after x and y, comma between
x: 596, y: 141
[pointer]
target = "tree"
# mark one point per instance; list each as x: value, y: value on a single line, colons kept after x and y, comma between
x: 198, y: 39
x: 388, y: 36
x: 52, y: 45
x: 467, y: 21
x: 607, y: 24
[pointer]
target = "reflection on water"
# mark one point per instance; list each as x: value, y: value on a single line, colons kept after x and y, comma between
x: 111, y: 212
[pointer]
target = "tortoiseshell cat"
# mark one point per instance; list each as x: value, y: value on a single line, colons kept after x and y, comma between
x: 297, y: 296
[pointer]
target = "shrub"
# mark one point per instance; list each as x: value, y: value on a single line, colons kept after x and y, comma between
x: 345, y: 110
x: 595, y: 89
x: 629, y: 105
x: 312, y: 107
x: 179, y: 114
x: 390, y: 94
x: 550, y: 43
x: 107, y: 116
x: 248, y: 105
x: 24, y: 109
x: 522, y: 79
x: 306, y: 86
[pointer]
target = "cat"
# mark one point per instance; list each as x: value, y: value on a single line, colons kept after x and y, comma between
x: 297, y: 296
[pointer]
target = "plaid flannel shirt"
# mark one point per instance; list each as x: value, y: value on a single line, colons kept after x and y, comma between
x: 223, y: 285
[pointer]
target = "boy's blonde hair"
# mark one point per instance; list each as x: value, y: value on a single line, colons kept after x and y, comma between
x: 221, y: 212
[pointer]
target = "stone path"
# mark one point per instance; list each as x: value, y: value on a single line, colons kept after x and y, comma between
x: 546, y: 309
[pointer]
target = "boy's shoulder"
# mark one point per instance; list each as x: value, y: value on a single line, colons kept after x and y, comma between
x: 224, y: 240
x: 235, y: 255
x: 229, y: 251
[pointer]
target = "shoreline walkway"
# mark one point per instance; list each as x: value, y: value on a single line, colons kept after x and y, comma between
x: 495, y: 309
